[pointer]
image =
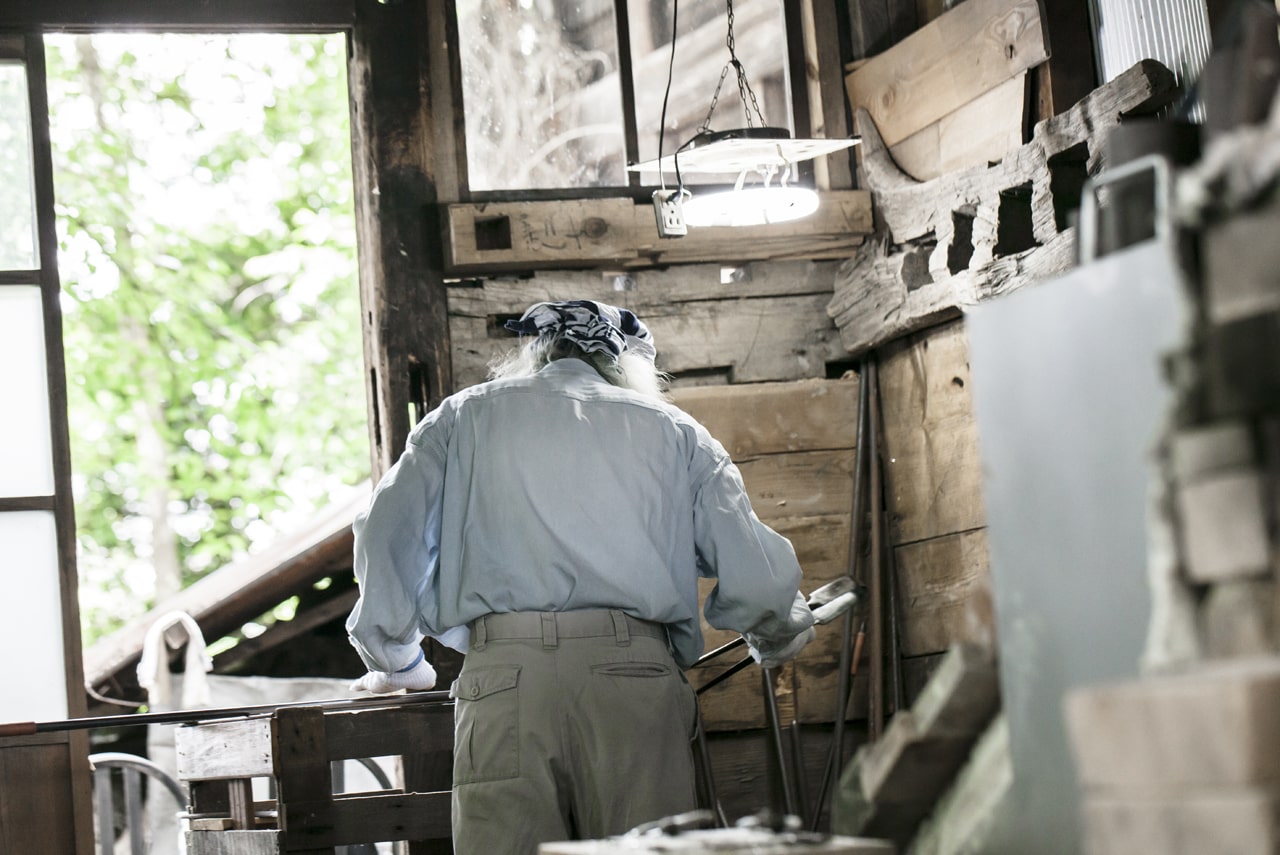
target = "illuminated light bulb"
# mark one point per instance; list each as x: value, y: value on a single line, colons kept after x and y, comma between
x: 750, y: 206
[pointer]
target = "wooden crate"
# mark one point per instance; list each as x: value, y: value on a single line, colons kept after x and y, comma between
x: 294, y: 747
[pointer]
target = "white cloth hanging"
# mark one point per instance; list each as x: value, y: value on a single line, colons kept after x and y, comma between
x: 153, y: 666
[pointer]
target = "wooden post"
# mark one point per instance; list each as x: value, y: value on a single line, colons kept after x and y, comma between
x: 398, y: 221
x: 301, y: 761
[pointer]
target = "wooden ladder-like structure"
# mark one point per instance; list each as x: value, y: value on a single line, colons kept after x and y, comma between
x: 294, y: 747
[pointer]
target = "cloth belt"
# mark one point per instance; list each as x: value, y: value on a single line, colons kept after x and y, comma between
x: 550, y: 627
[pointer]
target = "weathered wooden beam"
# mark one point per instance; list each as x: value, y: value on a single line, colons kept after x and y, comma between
x: 966, y: 817
x: 895, y: 782
x: 181, y: 15
x: 976, y: 134
x: 1069, y: 75
x: 523, y: 236
x: 933, y: 475
x: 829, y: 110
x: 966, y: 236
x: 946, y: 64
x: 402, y: 288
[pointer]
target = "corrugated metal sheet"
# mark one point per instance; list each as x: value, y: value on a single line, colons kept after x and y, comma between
x: 1175, y: 32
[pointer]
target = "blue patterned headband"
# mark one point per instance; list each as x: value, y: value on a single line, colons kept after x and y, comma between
x: 592, y: 326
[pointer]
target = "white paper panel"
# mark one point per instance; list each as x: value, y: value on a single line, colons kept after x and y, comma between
x: 26, y: 459
x: 32, y: 667
x: 17, y: 193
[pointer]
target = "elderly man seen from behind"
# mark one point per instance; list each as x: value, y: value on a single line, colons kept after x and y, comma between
x: 552, y: 524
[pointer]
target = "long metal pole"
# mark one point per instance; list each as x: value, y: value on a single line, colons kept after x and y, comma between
x: 27, y: 728
x: 889, y: 572
x: 845, y: 678
x: 875, y: 707
x: 775, y: 729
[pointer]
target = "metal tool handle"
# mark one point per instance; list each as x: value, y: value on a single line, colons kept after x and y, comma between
x: 27, y: 728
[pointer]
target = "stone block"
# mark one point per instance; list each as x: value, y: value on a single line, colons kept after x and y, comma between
x: 1228, y: 822
x: 1215, y: 726
x: 1223, y: 524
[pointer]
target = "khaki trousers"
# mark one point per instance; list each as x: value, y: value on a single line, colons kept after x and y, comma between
x: 568, y: 726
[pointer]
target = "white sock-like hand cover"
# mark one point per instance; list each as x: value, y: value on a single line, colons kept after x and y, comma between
x: 419, y: 678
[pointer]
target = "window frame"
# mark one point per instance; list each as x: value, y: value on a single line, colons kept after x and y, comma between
x: 798, y: 94
x: 28, y: 49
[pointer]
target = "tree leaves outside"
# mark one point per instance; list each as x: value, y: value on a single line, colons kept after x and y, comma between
x: 211, y: 309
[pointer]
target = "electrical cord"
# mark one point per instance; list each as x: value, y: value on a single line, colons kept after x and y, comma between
x: 662, y: 127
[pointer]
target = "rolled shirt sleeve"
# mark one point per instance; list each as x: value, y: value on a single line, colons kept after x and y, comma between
x: 396, y: 554
x: 757, y: 592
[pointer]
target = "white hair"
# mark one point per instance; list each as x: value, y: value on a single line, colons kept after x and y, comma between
x: 628, y: 371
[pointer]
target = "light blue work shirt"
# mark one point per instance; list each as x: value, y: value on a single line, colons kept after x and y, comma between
x: 560, y: 491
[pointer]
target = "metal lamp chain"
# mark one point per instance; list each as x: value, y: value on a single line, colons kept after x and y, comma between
x: 745, y: 92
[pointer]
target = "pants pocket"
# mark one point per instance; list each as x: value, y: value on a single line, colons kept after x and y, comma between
x: 631, y: 669
x: 486, y: 724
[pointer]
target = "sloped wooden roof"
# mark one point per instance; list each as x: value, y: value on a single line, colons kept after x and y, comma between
x: 226, y: 599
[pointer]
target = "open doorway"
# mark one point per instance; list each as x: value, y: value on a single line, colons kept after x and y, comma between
x: 211, y: 306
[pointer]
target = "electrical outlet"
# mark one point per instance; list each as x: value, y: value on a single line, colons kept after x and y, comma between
x: 669, y: 213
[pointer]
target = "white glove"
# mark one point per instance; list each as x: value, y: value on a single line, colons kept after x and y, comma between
x: 419, y: 678
x: 787, y: 653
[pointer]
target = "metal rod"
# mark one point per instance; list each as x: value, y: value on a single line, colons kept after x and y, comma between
x: 708, y: 776
x: 844, y: 683
x: 875, y: 704
x: 797, y: 768
x: 896, y: 689
x: 775, y: 730
x: 724, y: 648
x: 27, y: 728
x: 725, y: 675
x: 832, y: 768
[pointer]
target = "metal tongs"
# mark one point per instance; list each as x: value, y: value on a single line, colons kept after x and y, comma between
x: 827, y: 603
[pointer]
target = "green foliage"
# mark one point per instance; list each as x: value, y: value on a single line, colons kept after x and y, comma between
x: 211, y: 310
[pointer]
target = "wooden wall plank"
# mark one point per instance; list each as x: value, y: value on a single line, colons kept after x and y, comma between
x: 224, y: 749
x: 842, y: 220
x: 639, y: 290
x: 933, y: 471
x: 975, y: 134
x: 766, y: 418
x: 786, y: 338
x: 36, y: 808
x: 806, y: 483
x: 947, y: 63
x: 477, y: 307
x: 944, y: 593
x: 747, y: 339
x: 501, y: 236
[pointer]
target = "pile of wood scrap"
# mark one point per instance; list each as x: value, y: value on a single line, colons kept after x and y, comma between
x: 980, y: 232
x: 892, y: 785
x: 953, y: 94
